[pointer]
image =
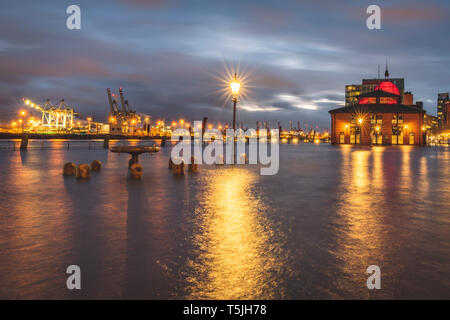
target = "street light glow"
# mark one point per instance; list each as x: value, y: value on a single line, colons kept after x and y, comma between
x: 235, y: 86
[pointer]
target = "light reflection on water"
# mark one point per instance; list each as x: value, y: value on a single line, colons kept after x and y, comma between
x: 239, y: 254
x: 227, y: 232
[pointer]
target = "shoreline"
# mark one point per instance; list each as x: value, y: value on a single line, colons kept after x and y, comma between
x: 39, y: 136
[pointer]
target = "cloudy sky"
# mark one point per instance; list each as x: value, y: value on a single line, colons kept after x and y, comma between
x: 170, y: 56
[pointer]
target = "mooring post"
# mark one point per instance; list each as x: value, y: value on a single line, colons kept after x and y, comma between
x: 106, y: 143
x: 24, y: 143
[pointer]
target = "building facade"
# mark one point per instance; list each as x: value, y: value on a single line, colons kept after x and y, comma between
x: 442, y: 101
x: 446, y: 115
x: 379, y: 118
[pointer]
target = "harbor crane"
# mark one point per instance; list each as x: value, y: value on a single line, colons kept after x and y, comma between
x: 57, y: 116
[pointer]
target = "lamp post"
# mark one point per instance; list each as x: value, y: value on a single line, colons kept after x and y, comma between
x: 89, y: 119
x: 147, y: 125
x: 378, y: 133
x: 360, y: 121
x: 235, y: 86
x: 22, y: 121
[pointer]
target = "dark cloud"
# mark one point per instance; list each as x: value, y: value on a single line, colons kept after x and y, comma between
x: 170, y: 55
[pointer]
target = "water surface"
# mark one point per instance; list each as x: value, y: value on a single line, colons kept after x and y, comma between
x: 227, y: 232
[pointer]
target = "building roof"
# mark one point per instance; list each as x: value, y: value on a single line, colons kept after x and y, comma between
x: 379, y: 108
x: 378, y: 93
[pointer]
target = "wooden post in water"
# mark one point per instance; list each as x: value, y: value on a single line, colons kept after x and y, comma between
x: 106, y: 143
x: 24, y: 142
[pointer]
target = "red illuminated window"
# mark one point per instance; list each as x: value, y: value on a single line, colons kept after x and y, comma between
x: 388, y: 86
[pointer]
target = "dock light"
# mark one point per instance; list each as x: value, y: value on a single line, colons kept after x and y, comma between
x: 14, y: 124
x: 174, y: 124
x: 220, y: 127
x: 27, y: 102
x: 22, y: 113
x: 210, y: 127
x: 20, y: 120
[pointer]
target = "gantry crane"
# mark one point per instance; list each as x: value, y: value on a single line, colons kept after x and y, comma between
x: 54, y: 116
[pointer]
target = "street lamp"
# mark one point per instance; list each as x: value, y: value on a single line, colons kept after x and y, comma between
x: 235, y: 86
x: 360, y: 121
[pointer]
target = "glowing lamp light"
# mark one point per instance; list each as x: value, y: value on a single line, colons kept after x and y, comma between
x: 360, y: 120
x: 235, y: 86
x: 378, y: 128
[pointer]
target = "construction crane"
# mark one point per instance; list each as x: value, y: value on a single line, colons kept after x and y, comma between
x: 124, y: 119
x: 54, y: 116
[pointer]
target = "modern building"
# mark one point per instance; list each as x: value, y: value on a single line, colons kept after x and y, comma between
x: 446, y: 115
x: 442, y: 102
x: 353, y: 91
x: 379, y: 117
x: 431, y: 123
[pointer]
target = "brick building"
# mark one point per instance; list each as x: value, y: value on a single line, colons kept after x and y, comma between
x: 378, y: 118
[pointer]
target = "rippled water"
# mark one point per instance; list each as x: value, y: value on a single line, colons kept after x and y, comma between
x: 227, y: 232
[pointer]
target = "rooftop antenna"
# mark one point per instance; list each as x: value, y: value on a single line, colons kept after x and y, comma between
x: 378, y: 71
x: 386, y: 73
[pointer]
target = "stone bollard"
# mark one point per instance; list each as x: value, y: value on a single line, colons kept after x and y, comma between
x: 84, y: 171
x: 193, y: 167
x: 171, y: 164
x: 136, y: 171
x: 70, y: 169
x: 96, y: 165
x: 178, y: 169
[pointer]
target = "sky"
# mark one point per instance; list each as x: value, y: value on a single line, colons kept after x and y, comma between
x: 172, y: 57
